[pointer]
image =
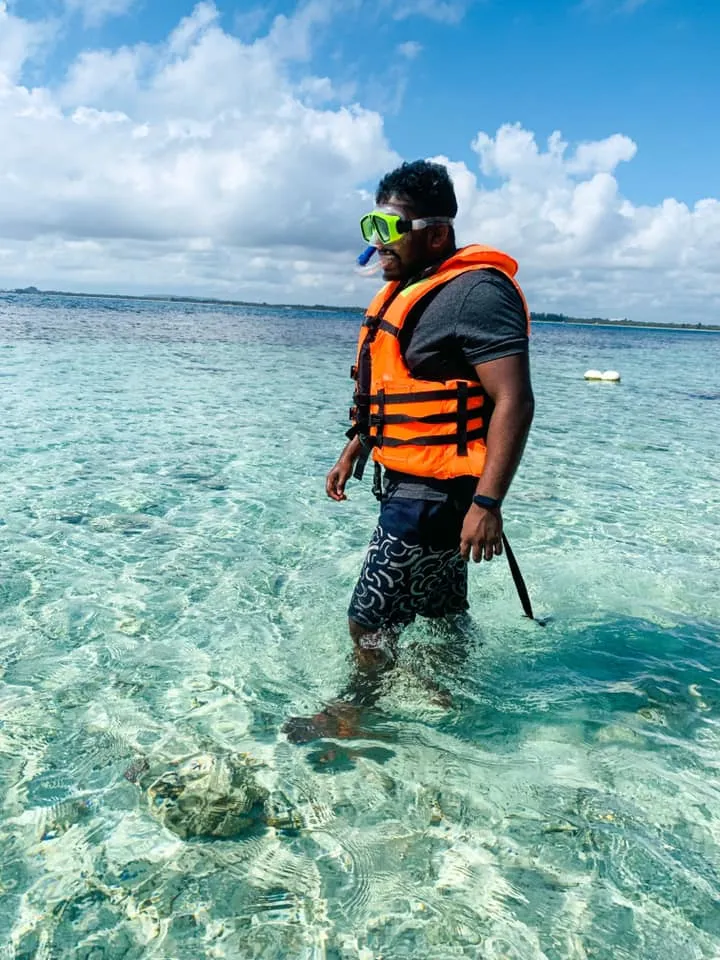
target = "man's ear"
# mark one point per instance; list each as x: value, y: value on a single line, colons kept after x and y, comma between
x: 439, y: 234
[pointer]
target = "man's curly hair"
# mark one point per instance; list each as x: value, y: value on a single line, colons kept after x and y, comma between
x: 426, y: 186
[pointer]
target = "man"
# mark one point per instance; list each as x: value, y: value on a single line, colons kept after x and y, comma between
x: 443, y: 402
x: 471, y: 328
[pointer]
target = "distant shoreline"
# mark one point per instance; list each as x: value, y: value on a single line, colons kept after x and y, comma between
x: 215, y: 301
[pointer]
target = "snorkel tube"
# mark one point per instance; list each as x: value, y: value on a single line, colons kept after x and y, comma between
x: 363, y: 265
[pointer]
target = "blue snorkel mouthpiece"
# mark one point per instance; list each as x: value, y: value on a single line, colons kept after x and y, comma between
x: 365, y: 256
x: 363, y: 265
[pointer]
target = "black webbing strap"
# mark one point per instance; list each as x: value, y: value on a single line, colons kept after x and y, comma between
x: 362, y: 372
x: 377, y: 482
x: 439, y: 441
x: 380, y: 421
x: 361, y: 399
x: 426, y: 396
x: 378, y: 323
x: 365, y: 448
x: 462, y: 419
x: 391, y: 418
x: 519, y: 582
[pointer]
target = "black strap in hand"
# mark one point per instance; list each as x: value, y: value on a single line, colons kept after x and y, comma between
x: 519, y: 582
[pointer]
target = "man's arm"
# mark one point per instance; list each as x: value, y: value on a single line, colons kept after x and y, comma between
x: 342, y: 471
x: 507, y: 383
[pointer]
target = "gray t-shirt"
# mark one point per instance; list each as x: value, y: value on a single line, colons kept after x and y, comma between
x: 477, y: 317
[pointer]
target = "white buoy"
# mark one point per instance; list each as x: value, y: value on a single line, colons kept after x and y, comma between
x: 609, y: 376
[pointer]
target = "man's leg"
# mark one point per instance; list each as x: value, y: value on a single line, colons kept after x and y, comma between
x: 374, y: 655
x: 440, y: 583
x: 413, y: 565
x: 380, y: 607
x: 453, y: 634
x: 442, y: 657
x: 374, y: 650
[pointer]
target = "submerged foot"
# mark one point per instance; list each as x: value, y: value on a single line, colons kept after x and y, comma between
x: 339, y: 721
x: 333, y: 758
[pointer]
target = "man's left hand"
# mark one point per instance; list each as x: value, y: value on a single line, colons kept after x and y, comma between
x: 481, y: 534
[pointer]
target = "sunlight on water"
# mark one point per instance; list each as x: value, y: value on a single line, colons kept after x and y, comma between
x: 173, y: 587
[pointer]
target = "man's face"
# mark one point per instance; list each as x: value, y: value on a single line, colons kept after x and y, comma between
x: 412, y: 252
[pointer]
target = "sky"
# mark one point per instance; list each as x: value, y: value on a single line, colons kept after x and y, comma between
x: 228, y: 149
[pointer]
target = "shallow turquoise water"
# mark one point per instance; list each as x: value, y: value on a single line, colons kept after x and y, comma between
x: 174, y: 582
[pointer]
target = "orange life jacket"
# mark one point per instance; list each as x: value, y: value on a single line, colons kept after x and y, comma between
x: 422, y: 427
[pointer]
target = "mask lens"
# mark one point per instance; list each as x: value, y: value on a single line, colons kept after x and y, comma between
x: 367, y: 229
x: 382, y: 228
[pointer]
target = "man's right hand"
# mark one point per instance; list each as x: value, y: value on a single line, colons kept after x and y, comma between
x: 338, y: 477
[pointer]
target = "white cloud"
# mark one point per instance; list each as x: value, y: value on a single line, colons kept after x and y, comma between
x: 443, y: 11
x: 185, y: 160
x: 583, y: 247
x: 19, y: 40
x: 91, y: 117
x: 290, y: 37
x: 411, y: 49
x: 209, y: 165
x: 514, y: 154
x: 190, y: 29
x: 95, y: 12
x: 249, y: 23
x: 602, y: 155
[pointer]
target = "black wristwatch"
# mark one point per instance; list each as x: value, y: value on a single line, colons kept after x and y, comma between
x: 488, y: 503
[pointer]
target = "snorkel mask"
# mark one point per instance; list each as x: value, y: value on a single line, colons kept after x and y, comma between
x: 380, y: 229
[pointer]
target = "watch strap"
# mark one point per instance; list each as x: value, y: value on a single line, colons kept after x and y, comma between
x: 488, y: 503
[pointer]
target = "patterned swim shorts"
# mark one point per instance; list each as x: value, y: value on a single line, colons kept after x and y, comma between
x: 413, y: 565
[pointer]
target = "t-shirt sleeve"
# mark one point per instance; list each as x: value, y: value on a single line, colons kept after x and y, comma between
x: 491, y: 322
